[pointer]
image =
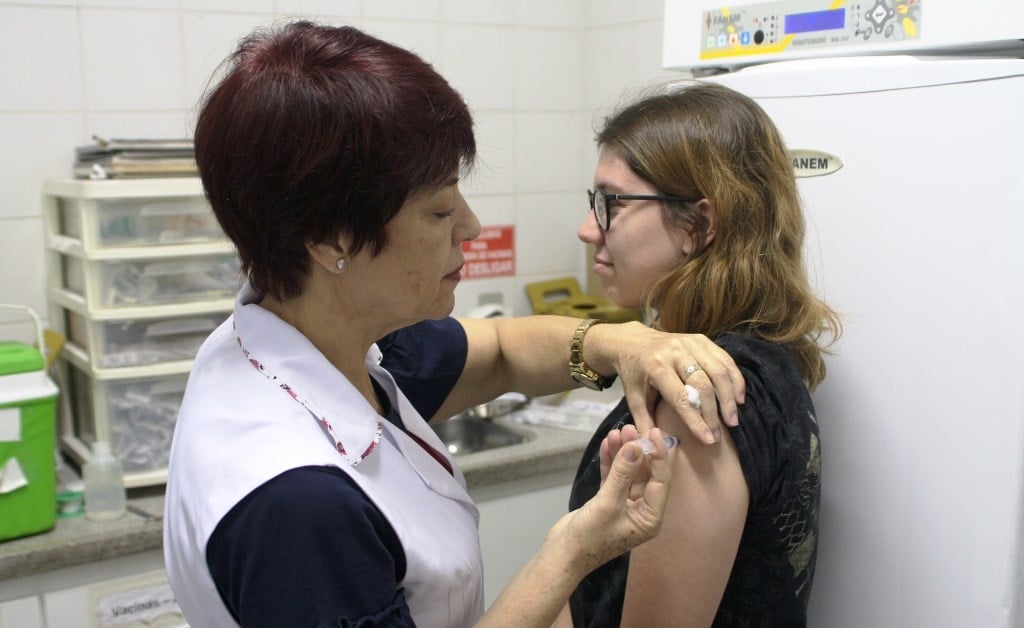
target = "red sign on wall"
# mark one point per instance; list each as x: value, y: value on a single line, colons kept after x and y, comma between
x: 493, y: 254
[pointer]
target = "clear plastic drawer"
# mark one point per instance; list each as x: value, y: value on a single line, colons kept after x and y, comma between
x: 136, y: 415
x: 131, y: 283
x: 135, y: 342
x: 100, y: 223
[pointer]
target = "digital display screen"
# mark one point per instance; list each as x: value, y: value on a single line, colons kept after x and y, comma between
x: 815, y: 21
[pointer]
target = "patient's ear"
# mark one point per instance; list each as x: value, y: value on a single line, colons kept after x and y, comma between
x: 705, y: 208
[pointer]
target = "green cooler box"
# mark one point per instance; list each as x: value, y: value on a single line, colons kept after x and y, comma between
x: 28, y: 440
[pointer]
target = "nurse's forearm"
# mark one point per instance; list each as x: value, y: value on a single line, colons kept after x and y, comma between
x: 528, y: 354
x: 535, y: 353
x: 537, y: 593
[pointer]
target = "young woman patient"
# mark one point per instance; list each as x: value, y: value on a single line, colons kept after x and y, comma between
x: 696, y: 219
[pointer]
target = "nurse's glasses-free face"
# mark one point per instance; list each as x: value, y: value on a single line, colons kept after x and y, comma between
x: 600, y: 201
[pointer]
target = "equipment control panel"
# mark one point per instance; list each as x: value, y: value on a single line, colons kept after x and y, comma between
x: 799, y: 25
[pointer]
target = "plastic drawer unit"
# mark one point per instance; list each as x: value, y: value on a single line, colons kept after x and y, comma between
x: 139, y: 274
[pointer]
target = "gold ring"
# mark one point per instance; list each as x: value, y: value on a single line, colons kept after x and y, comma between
x: 690, y: 370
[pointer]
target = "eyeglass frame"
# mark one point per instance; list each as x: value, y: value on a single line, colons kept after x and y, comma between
x: 592, y: 194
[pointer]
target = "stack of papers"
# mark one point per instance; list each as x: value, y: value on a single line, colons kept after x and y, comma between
x: 121, y: 158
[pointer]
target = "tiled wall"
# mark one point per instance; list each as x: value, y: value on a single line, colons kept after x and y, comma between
x: 533, y: 71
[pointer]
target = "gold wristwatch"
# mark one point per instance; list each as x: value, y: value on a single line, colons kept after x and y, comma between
x: 578, y: 369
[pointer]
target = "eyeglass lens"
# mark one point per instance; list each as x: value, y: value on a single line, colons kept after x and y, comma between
x: 599, y: 203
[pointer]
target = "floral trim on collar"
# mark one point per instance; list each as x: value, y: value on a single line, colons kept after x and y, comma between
x: 317, y: 415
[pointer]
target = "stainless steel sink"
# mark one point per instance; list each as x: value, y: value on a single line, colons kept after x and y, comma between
x: 468, y: 434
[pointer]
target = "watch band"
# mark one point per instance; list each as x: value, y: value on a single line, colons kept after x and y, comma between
x: 578, y: 369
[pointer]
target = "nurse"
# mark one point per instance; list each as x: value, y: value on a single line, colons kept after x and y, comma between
x: 305, y: 485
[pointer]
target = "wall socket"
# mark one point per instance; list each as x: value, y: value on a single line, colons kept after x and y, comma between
x: 490, y: 305
x: 489, y: 298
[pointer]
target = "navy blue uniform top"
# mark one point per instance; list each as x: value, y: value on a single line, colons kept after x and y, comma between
x: 308, y: 548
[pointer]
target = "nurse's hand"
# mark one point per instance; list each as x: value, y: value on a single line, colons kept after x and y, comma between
x: 627, y: 510
x: 688, y: 371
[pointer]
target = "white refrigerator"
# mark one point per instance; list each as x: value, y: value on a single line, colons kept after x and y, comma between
x: 916, y: 235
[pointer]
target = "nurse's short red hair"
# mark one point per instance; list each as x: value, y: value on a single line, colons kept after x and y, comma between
x: 315, y: 131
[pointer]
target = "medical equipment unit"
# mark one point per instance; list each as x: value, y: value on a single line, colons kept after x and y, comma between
x: 904, y: 120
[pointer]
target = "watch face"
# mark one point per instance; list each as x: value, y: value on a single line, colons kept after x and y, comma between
x: 586, y: 381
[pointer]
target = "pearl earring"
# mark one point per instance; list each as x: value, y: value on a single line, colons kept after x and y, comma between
x: 340, y: 263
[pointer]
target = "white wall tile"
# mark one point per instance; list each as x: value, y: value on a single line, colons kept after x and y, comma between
x: 614, y: 75
x: 609, y: 12
x: 50, y: 140
x: 240, y: 6
x: 23, y: 281
x: 142, y: 124
x: 410, y: 10
x: 423, y: 38
x: 494, y: 210
x: 44, y: 3
x: 479, y: 61
x: 548, y: 152
x: 610, y: 65
x: 649, y: 38
x: 40, y: 59
x: 549, y: 69
x: 326, y: 11
x: 130, y: 4
x: 560, y: 14
x: 495, y: 144
x: 478, y: 11
x: 589, y: 152
x: 208, y: 39
x: 546, y: 233
x: 133, y: 59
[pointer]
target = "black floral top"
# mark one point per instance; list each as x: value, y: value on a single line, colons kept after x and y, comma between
x: 777, y: 441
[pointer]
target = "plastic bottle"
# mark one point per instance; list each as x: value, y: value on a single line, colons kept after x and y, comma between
x: 105, y: 494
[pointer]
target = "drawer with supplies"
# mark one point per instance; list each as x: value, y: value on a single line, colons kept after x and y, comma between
x: 138, y: 341
x: 98, y: 215
x: 135, y: 414
x: 115, y: 283
x: 137, y: 222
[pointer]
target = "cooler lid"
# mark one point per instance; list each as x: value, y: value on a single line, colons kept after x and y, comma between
x: 18, y: 357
